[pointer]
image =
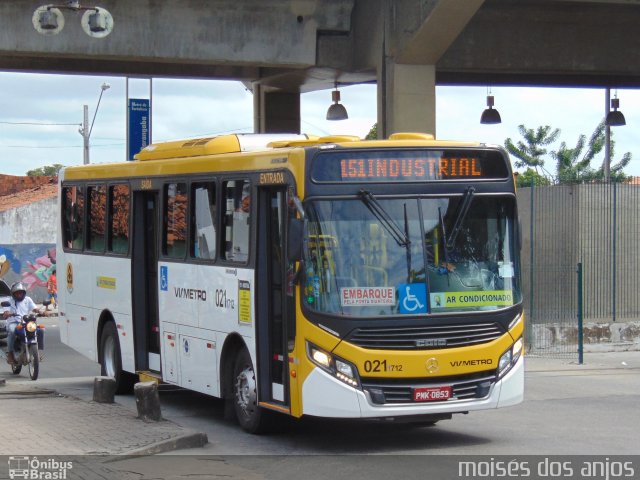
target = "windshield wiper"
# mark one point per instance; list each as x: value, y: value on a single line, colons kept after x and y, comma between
x: 463, y: 209
x: 444, y: 235
x: 385, y: 219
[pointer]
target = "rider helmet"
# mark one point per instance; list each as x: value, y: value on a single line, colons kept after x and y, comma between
x: 18, y: 292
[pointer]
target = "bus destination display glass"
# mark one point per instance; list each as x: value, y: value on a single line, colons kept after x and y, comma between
x: 367, y: 166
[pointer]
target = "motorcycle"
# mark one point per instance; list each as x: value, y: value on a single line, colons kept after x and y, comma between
x: 25, y: 347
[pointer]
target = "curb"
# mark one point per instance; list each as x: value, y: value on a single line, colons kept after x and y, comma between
x: 187, y: 440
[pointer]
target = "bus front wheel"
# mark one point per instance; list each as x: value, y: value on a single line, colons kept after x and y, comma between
x: 111, y: 360
x: 251, y: 417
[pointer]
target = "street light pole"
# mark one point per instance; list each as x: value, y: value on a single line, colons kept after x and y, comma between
x: 86, y: 130
x: 607, y: 138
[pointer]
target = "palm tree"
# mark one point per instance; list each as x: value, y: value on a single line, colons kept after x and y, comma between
x: 574, y: 166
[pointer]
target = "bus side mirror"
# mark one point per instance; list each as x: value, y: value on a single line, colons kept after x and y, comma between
x: 294, y: 241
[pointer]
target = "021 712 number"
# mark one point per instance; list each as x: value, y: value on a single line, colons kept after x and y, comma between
x: 378, y: 366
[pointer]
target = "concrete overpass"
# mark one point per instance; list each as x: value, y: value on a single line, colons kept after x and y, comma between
x: 281, y: 48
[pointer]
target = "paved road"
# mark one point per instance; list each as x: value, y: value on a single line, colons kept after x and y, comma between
x: 565, y: 405
x: 565, y: 412
x: 60, y: 361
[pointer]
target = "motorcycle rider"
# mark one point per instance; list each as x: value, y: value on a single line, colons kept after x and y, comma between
x: 20, y: 304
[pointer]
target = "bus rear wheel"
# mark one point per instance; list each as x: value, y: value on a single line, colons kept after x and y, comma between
x: 251, y: 417
x: 111, y: 360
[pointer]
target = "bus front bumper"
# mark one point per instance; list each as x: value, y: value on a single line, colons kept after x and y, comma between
x: 325, y: 396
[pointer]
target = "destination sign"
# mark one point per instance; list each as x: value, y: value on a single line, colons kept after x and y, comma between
x: 408, y: 165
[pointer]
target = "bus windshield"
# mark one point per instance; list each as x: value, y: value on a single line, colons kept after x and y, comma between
x: 374, y: 257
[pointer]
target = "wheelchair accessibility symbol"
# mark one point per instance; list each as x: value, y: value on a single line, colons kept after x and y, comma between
x: 164, y: 278
x: 413, y: 298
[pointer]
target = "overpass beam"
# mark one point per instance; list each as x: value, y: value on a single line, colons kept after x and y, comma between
x: 406, y: 98
x: 275, y: 111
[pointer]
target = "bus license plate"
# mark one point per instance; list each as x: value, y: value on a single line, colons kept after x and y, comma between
x: 431, y: 394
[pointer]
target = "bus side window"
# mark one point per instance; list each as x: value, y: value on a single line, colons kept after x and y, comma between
x: 97, y: 218
x: 203, y: 212
x: 73, y: 217
x: 174, y: 235
x: 118, y: 240
x: 235, y: 233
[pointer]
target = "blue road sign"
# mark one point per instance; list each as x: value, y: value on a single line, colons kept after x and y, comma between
x: 139, y: 125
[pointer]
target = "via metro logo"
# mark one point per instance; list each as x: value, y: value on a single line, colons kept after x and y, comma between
x: 164, y: 279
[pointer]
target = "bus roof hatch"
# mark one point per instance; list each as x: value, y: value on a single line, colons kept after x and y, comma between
x: 214, y: 145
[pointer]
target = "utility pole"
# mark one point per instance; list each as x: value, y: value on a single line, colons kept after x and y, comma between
x: 85, y: 130
x: 85, y: 135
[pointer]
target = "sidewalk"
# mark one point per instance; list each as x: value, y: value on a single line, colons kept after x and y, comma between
x: 629, y: 360
x: 53, y: 424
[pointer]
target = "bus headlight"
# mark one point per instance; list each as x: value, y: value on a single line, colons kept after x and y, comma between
x: 340, y: 369
x: 510, y: 357
x: 504, y: 363
x: 320, y: 357
x: 518, y: 348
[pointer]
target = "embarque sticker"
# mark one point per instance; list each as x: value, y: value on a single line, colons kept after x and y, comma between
x: 367, y: 296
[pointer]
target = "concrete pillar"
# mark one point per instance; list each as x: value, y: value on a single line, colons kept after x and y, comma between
x: 406, y: 98
x: 147, y: 400
x: 104, y: 389
x: 275, y: 111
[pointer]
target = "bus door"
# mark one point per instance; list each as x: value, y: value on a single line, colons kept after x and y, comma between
x: 145, y: 281
x: 275, y: 301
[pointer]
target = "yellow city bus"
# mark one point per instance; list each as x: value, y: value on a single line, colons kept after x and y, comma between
x: 331, y: 277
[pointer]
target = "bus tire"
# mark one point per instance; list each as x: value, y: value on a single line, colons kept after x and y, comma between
x: 111, y: 360
x: 251, y: 417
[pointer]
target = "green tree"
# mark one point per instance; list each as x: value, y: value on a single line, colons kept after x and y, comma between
x: 49, y: 170
x: 530, y: 152
x: 573, y: 165
x: 373, y: 133
x: 530, y: 176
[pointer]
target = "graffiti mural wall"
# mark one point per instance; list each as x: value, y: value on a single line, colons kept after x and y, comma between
x: 31, y: 263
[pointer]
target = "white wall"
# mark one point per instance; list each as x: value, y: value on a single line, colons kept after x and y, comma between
x: 34, y: 223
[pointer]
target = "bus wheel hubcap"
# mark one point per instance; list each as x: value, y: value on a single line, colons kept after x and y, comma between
x: 246, y: 391
x: 109, y: 357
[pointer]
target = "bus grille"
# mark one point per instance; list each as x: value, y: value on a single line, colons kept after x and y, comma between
x: 465, y: 387
x: 425, y: 338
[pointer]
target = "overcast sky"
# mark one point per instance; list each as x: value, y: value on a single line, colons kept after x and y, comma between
x: 195, y: 108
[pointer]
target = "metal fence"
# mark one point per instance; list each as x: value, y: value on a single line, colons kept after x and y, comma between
x: 597, y: 225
